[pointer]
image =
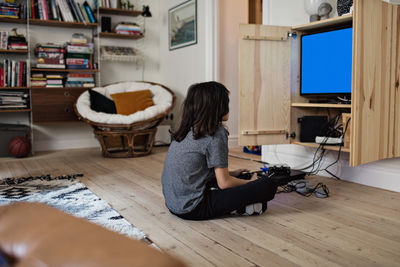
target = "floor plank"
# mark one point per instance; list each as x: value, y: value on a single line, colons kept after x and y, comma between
x: 357, y: 225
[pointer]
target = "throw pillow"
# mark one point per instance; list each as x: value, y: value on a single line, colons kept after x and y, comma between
x: 100, y: 103
x: 130, y: 102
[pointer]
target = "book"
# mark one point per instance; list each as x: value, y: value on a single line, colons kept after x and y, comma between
x: 77, y: 61
x: 78, y: 67
x: 84, y: 14
x: 89, y: 12
x: 50, y: 66
x: 72, y: 9
x: 50, y: 61
x: 54, y: 10
x: 4, y: 40
x: 2, y: 77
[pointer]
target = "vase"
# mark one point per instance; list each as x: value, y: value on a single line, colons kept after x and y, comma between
x: 343, y: 6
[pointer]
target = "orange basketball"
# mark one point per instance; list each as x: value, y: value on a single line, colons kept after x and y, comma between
x: 19, y: 147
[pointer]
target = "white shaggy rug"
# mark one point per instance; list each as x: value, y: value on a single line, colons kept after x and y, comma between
x: 66, y: 193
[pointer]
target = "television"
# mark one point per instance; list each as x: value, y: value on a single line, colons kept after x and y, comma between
x: 326, y: 63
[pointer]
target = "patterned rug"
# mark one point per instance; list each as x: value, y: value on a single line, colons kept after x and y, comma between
x: 66, y: 193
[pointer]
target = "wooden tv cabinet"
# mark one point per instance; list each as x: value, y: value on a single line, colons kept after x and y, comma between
x: 269, y: 98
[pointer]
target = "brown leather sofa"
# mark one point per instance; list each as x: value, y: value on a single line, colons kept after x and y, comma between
x: 33, y: 234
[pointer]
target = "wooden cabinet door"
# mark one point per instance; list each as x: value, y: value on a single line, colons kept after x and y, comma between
x: 264, y: 84
x: 375, y: 108
x: 54, y: 105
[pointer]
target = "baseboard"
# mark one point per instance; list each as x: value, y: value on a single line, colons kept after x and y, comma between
x: 49, y: 145
x: 384, y: 174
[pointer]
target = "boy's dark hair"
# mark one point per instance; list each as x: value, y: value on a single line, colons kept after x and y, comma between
x: 203, y: 109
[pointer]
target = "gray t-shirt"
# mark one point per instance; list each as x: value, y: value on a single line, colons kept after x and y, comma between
x: 189, y: 166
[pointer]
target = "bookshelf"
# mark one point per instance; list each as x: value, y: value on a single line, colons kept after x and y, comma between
x: 64, y: 24
x: 15, y: 21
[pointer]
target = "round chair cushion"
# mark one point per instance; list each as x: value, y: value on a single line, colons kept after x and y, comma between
x: 162, y: 99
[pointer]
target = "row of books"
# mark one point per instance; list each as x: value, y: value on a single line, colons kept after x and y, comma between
x: 109, y: 3
x: 62, y: 10
x: 14, y: 99
x: 12, y: 73
x: 50, y: 56
x: 53, y: 56
x: 10, y: 10
x: 59, y: 81
x: 128, y: 28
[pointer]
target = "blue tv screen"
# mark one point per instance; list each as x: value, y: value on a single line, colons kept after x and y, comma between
x: 326, y: 62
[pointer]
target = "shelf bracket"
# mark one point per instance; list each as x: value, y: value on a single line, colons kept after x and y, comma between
x: 262, y: 132
x: 264, y: 38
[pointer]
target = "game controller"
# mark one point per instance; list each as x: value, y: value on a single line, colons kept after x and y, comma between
x: 245, y: 175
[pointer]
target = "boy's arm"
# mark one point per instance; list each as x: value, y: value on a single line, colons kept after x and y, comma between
x: 224, y: 180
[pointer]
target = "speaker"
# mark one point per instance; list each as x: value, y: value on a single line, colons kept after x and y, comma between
x: 312, y: 126
x: 106, y: 24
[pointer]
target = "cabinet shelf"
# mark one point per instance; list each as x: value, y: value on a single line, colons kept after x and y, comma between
x: 119, y: 12
x: 13, y: 51
x: 327, y: 147
x: 337, y: 21
x: 15, y: 110
x: 119, y: 36
x: 14, y: 88
x: 66, y: 70
x: 64, y: 24
x: 320, y: 105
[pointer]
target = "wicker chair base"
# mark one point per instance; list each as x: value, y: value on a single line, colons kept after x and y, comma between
x: 126, y: 143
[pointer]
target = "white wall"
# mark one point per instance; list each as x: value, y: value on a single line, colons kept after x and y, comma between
x: 184, y: 66
x: 382, y: 174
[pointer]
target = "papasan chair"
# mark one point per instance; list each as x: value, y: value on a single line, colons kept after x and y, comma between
x: 126, y: 135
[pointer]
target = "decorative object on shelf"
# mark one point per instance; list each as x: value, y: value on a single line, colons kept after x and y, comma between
x: 19, y: 147
x: 344, y: 6
x: 130, y: 6
x: 318, y: 8
x: 182, y: 22
x: 17, y: 41
x: 146, y: 12
x: 122, y: 4
x: 118, y: 53
x: 105, y: 24
x: 323, y: 11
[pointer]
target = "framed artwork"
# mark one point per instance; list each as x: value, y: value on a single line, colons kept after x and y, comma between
x: 182, y: 25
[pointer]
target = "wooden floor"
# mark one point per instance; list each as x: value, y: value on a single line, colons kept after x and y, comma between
x: 356, y: 226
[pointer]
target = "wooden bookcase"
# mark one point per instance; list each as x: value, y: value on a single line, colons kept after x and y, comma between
x: 269, y: 98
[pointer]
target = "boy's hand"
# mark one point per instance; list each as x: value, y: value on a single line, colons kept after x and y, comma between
x: 238, y: 172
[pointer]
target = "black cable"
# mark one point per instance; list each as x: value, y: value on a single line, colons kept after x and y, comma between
x: 338, y: 157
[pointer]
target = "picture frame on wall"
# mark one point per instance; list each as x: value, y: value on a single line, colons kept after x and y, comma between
x: 182, y: 25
